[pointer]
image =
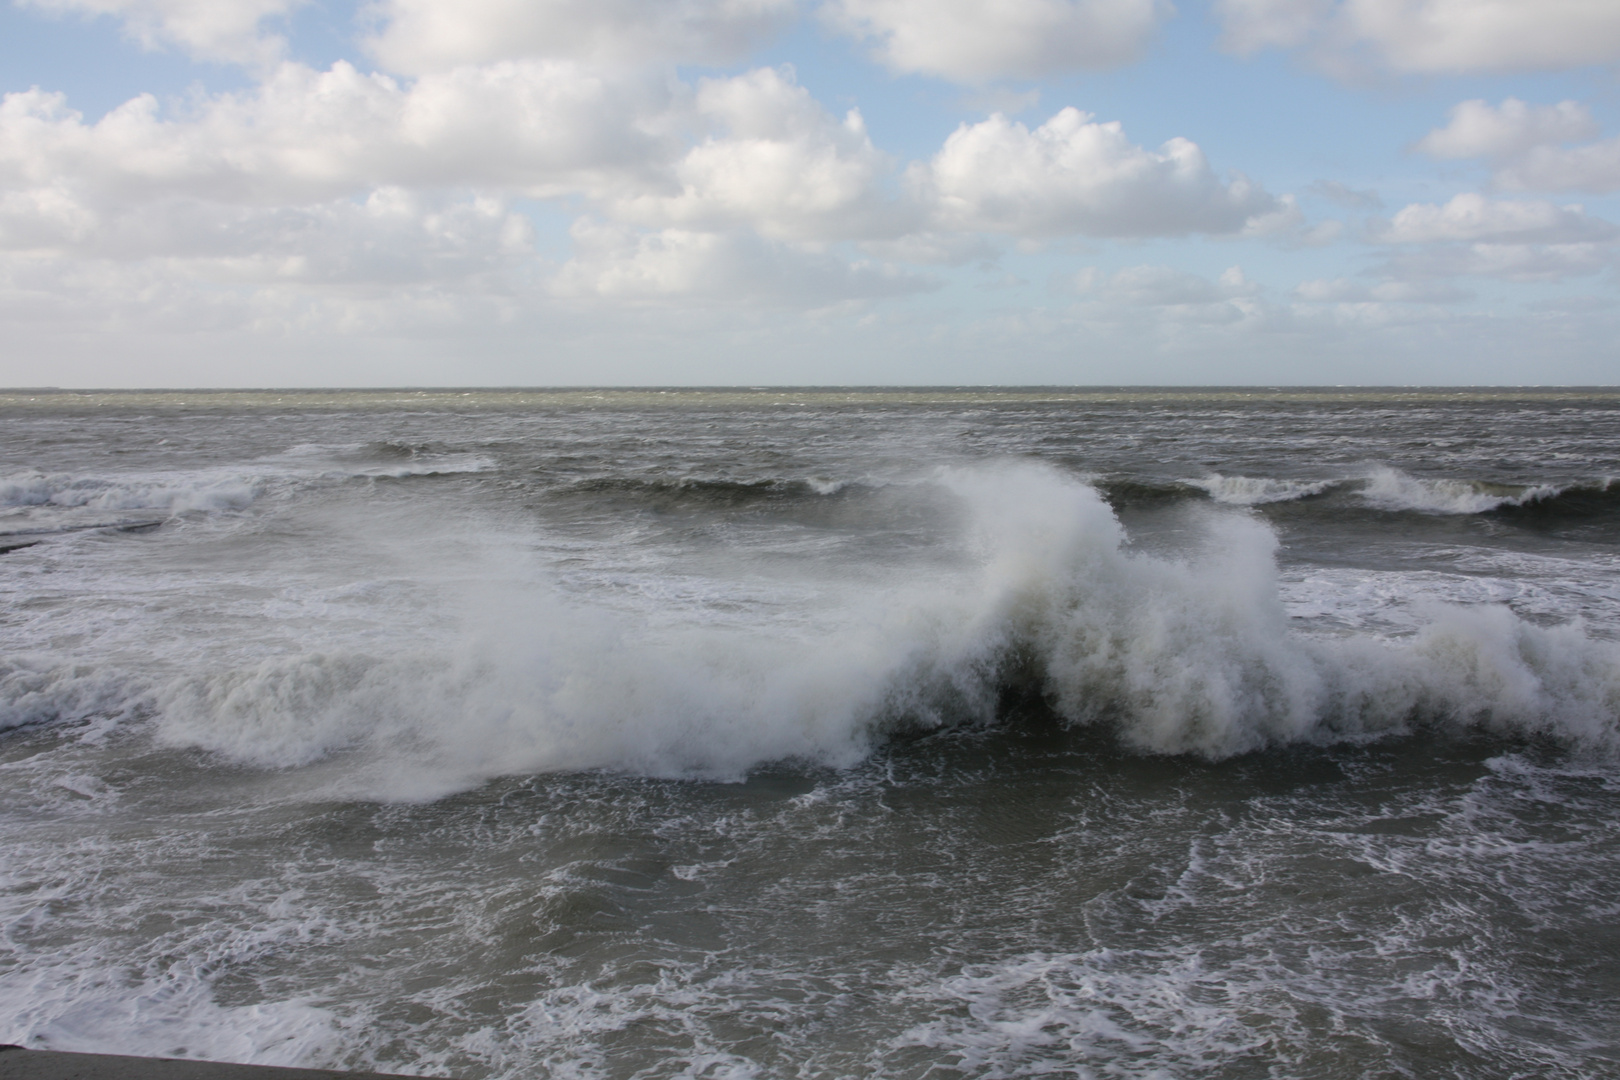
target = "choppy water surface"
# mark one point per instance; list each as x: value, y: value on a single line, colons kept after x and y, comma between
x: 814, y: 733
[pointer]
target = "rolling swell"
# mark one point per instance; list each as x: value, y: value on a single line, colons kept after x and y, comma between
x: 1591, y: 501
x: 1383, y: 491
x: 1123, y: 493
x: 706, y: 494
x: 396, y: 450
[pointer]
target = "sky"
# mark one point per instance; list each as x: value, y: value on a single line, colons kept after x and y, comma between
x: 796, y: 192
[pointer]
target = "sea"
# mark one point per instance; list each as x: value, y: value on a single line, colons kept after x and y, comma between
x: 806, y: 733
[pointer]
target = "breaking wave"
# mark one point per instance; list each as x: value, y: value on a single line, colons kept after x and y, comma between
x: 34, y: 690
x: 1175, y: 656
x: 184, y: 493
x: 1597, y: 499
x: 1391, y: 489
x: 172, y: 495
x: 1258, y: 490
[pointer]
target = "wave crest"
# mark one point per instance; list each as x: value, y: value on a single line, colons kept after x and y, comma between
x: 172, y: 496
x: 1391, y: 489
x: 1259, y: 490
x: 35, y: 690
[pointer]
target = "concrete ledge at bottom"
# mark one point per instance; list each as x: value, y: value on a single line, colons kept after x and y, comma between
x: 17, y: 1063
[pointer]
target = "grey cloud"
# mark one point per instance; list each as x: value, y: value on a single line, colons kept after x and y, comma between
x: 418, y: 36
x: 973, y: 41
x: 1354, y: 199
x: 1428, y: 36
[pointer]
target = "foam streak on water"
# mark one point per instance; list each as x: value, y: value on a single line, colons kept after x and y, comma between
x: 615, y: 734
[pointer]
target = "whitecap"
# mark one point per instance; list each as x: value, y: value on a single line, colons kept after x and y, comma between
x: 1259, y: 490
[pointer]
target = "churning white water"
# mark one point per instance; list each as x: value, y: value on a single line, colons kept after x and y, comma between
x: 596, y: 735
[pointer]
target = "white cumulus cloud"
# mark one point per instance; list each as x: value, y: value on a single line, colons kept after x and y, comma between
x: 1474, y: 218
x: 1431, y: 36
x: 1477, y: 129
x: 1528, y: 145
x: 973, y: 41
x: 306, y: 135
x: 1074, y: 176
x: 616, y: 262
x: 731, y: 190
x: 779, y: 164
x: 391, y: 235
x: 1514, y: 240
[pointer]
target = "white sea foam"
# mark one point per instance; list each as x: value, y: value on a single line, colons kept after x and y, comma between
x: 163, y: 1014
x: 1192, y: 956
x: 1078, y: 1014
x: 1396, y: 602
x: 1178, y: 656
x: 1392, y: 489
x: 1259, y: 490
x: 168, y: 494
x: 210, y: 491
x: 41, y: 690
x: 163, y: 1001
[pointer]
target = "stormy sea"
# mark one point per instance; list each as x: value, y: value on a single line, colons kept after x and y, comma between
x: 901, y: 733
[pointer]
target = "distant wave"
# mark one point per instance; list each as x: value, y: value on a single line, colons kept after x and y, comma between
x: 384, y: 459
x: 1258, y: 490
x: 1391, y: 489
x: 398, y: 460
x: 448, y: 465
x: 1384, y: 489
x: 1599, y: 498
x: 714, y: 493
x: 392, y: 449
x: 180, y: 493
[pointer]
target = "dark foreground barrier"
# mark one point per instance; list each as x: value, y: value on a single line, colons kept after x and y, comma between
x: 17, y: 1063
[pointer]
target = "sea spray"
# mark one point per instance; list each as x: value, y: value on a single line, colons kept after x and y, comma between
x: 1176, y: 655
